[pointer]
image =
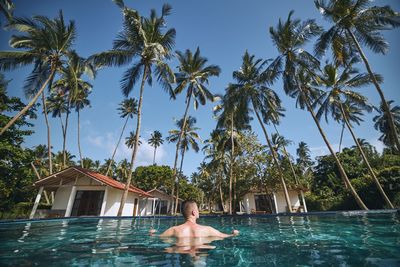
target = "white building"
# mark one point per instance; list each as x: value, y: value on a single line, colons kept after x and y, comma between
x: 274, y: 202
x: 160, y: 204
x: 81, y: 192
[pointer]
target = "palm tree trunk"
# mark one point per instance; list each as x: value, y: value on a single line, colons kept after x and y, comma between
x: 221, y: 195
x: 30, y: 104
x: 296, y: 179
x: 154, y: 156
x: 79, y: 140
x: 177, y: 186
x: 339, y: 165
x: 116, y: 147
x: 231, y: 167
x: 275, y: 161
x: 136, y: 145
x: 178, y: 145
x: 48, y: 134
x: 381, y: 191
x: 341, y: 138
x: 65, y: 135
x: 378, y: 88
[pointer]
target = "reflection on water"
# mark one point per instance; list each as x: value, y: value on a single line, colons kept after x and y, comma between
x: 355, y: 239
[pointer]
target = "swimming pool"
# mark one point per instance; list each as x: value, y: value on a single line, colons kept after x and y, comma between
x: 349, y: 238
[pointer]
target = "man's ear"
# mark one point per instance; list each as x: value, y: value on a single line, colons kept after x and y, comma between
x: 193, y: 213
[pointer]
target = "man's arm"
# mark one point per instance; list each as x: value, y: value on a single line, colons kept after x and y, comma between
x: 215, y: 232
x: 169, y: 232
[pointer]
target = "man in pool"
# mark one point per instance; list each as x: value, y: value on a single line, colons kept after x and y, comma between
x: 190, y: 229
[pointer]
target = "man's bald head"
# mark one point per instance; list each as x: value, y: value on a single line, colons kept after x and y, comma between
x: 188, y: 207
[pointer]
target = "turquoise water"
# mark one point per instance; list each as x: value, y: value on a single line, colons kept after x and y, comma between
x: 345, y: 239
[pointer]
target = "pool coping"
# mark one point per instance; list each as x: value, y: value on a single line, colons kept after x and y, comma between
x: 282, y: 214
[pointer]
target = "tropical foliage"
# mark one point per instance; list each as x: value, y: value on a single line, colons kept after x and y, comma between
x: 236, y: 160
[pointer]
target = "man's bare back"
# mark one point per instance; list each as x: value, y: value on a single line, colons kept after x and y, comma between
x: 190, y: 229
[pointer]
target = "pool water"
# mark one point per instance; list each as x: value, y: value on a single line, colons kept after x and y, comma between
x: 345, y: 239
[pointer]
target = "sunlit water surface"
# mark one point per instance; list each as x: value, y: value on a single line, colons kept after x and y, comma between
x: 345, y: 239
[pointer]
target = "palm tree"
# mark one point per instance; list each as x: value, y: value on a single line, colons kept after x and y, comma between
x: 79, y: 102
x: 48, y: 134
x: 6, y: 8
x: 338, y: 97
x: 382, y: 124
x: 353, y: 113
x: 59, y: 160
x: 298, y: 73
x: 87, y: 163
x: 127, y: 108
x: 109, y: 163
x: 356, y: 23
x: 122, y: 170
x: 189, y: 137
x: 304, y: 159
x: 193, y: 75
x: 218, y: 159
x: 131, y: 139
x: 155, y: 141
x: 143, y: 39
x: 46, y: 43
x: 72, y: 87
x: 232, y: 118
x: 252, y: 87
x: 57, y: 105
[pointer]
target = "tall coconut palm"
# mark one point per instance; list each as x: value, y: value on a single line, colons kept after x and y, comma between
x: 72, y: 86
x: 44, y: 104
x: 45, y: 43
x: 303, y: 157
x: 252, y: 86
x: 80, y: 101
x: 87, y: 163
x: 131, y: 140
x: 193, y: 76
x: 109, y: 163
x: 336, y: 100
x: 357, y: 23
x: 122, y: 170
x: 59, y: 160
x: 188, y: 139
x: 57, y: 105
x: 155, y: 141
x: 127, y: 109
x: 382, y: 124
x: 218, y: 159
x: 232, y: 118
x: 147, y: 40
x: 290, y: 37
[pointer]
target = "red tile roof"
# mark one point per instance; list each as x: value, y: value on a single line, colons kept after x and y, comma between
x: 111, y: 182
x: 52, y: 180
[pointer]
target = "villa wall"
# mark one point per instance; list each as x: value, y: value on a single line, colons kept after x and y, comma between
x: 146, y: 207
x: 250, y: 204
x: 113, y: 202
x: 281, y: 201
x: 61, y: 198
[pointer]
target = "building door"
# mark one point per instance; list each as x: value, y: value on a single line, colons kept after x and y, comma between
x: 87, y: 203
x: 135, y: 206
x: 264, y: 203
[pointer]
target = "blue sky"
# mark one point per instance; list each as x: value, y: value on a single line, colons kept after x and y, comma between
x: 223, y: 30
